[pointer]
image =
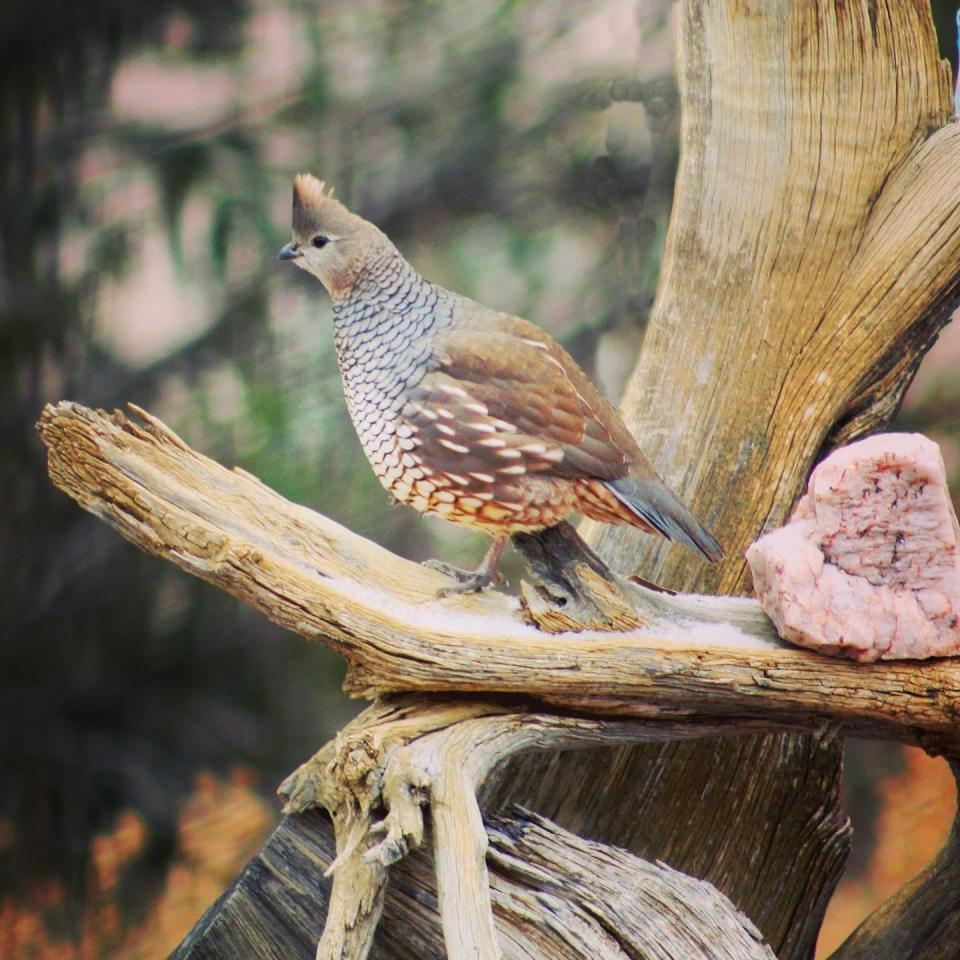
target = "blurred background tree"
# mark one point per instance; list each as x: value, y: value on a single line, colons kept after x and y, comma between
x: 520, y: 152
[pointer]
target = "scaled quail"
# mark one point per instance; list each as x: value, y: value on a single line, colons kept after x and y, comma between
x: 468, y: 413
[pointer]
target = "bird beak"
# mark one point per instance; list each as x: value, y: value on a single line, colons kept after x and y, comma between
x: 289, y: 252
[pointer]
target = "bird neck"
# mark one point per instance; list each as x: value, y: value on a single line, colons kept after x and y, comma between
x: 388, y: 301
x: 384, y: 331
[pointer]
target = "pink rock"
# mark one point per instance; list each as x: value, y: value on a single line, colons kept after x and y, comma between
x: 869, y: 565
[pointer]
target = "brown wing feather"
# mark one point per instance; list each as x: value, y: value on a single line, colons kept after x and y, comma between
x: 531, y: 392
x: 457, y: 433
x: 512, y: 429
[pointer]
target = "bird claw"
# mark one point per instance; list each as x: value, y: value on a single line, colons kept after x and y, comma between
x: 467, y: 581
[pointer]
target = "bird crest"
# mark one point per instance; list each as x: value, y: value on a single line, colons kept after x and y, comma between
x: 308, y: 190
x: 315, y: 208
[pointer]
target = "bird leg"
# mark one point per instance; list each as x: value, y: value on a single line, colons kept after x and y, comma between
x: 472, y: 581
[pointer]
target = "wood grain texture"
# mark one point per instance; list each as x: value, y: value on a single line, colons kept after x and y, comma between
x: 405, y: 754
x: 814, y: 244
x: 813, y: 251
x: 649, y: 807
x: 274, y: 910
x: 698, y: 659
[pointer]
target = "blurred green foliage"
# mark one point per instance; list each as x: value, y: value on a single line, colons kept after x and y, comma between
x: 476, y: 134
x: 522, y: 153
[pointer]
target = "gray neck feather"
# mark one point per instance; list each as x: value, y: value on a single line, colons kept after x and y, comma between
x: 383, y: 333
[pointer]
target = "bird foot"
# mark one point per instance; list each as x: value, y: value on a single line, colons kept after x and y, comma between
x: 467, y: 581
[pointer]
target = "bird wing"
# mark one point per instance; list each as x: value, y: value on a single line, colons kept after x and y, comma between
x: 497, y: 403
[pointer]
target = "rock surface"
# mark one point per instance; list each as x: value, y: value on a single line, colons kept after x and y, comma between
x: 869, y: 565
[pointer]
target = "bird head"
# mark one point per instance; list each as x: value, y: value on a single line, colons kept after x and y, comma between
x: 328, y: 240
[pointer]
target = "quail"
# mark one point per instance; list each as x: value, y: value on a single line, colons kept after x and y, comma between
x: 466, y: 412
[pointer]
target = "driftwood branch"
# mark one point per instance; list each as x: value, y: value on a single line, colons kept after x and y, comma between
x: 699, y: 666
x: 347, y: 779
x: 405, y: 754
x: 302, y: 571
x: 698, y: 658
x: 619, y: 907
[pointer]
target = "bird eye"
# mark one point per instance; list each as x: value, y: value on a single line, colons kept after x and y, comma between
x: 320, y: 241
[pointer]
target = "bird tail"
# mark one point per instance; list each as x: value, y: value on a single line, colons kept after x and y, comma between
x: 654, y: 504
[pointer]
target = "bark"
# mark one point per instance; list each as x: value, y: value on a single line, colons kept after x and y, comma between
x: 811, y: 260
x: 702, y: 660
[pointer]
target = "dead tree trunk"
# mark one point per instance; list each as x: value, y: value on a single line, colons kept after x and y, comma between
x: 813, y: 252
x: 805, y: 276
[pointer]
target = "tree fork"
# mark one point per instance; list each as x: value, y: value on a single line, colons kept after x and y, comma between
x: 811, y: 259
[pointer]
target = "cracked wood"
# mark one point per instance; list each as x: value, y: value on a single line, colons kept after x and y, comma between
x: 698, y: 657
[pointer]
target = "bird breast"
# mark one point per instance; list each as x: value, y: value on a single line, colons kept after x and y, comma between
x: 383, y: 336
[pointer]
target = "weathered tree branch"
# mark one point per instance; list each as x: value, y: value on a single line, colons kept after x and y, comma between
x: 619, y: 908
x: 699, y: 658
x: 403, y: 754
x: 813, y: 253
x: 922, y: 919
x: 347, y: 778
